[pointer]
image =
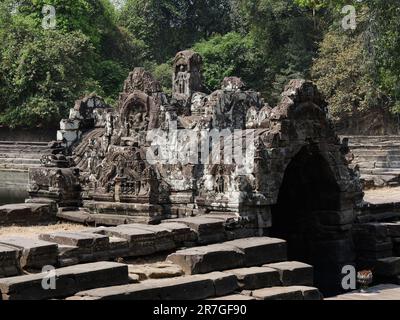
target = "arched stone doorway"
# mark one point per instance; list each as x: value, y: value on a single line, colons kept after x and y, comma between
x: 308, y: 215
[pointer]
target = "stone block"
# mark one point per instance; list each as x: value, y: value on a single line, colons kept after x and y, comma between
x: 26, y: 214
x: 69, y: 280
x: 68, y: 255
x: 294, y: 273
x: 9, y: 261
x: 278, y: 293
x: 224, y: 282
x: 158, y: 270
x: 207, y: 259
x: 181, y: 232
x: 309, y: 293
x: 69, y: 136
x: 208, y: 230
x: 67, y: 124
x: 259, y: 251
x: 185, y: 288
x: 257, y: 277
x: 182, y: 288
x: 288, y: 293
x: 35, y: 254
x: 387, y: 267
x: 374, y: 232
x: 130, y: 234
x: 163, y: 237
x: 86, y: 242
x: 393, y: 229
x: 234, y: 297
x: 137, y: 291
x: 141, y: 242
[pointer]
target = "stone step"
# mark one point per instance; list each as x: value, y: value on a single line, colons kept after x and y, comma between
x: 18, y: 166
x: 287, y: 293
x: 261, y: 250
x: 377, y: 171
x: 183, y: 288
x: 215, y: 257
x: 90, y: 246
x: 23, y: 143
x: 294, y: 273
x: 234, y: 297
x: 87, y: 218
x: 9, y: 261
x: 257, y: 277
x: 387, y: 267
x: 208, y: 229
x: 205, y: 286
x: 230, y: 255
x: 26, y: 214
x: 68, y: 281
x: 147, y: 213
x: 22, y: 155
x: 142, y: 242
x: 34, y: 254
x: 20, y: 161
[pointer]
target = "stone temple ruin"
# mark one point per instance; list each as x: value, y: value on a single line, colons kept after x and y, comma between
x: 297, y: 185
x: 233, y: 199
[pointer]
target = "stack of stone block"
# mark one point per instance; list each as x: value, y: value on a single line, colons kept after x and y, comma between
x: 27, y: 214
x: 377, y: 250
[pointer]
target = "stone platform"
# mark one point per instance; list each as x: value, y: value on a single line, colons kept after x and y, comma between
x: 183, y: 268
x: 381, y: 292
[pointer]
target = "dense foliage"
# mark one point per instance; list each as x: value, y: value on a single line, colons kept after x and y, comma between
x: 95, y: 43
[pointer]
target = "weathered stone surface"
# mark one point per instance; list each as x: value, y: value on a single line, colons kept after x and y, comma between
x: 288, y: 293
x: 181, y: 232
x: 26, y: 214
x: 234, y: 297
x: 383, y: 292
x: 259, y: 251
x: 208, y: 230
x: 294, y: 273
x: 69, y: 281
x: 141, y: 242
x: 34, y: 253
x: 393, y: 229
x: 68, y: 255
x: 207, y: 259
x: 310, y: 293
x: 182, y: 288
x: 163, y: 237
x: 388, y: 266
x: 158, y: 270
x: 257, y: 277
x: 130, y: 234
x: 224, y: 282
x: 82, y: 217
x: 86, y: 242
x: 9, y: 261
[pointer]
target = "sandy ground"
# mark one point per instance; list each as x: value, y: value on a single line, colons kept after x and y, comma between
x: 385, y: 195
x: 32, y: 232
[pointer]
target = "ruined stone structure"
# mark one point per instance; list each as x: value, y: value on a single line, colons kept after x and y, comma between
x: 149, y: 160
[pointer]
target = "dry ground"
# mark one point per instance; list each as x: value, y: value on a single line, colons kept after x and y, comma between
x: 385, y: 195
x: 33, y: 231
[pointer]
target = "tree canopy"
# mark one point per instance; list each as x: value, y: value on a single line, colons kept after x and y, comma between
x: 95, y: 43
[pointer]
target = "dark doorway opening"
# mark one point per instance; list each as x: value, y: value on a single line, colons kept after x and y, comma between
x: 309, y: 197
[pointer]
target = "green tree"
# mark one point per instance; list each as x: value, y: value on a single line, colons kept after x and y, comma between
x: 168, y: 26
x: 229, y: 55
x: 43, y: 71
